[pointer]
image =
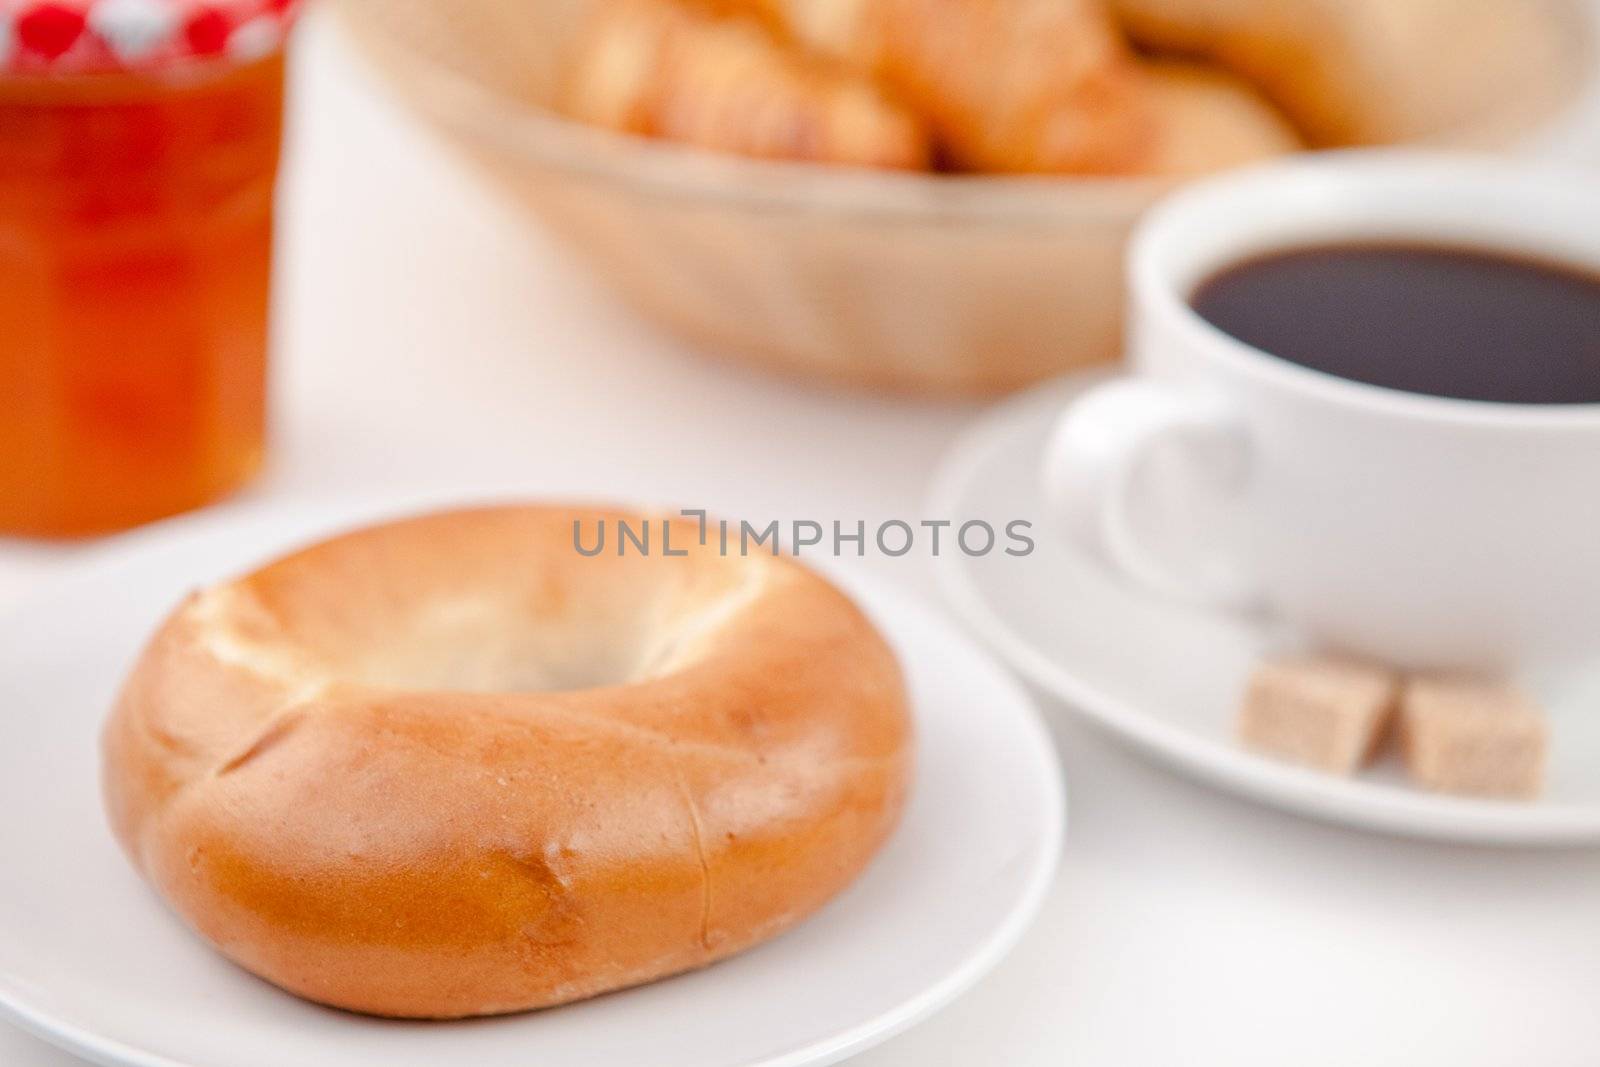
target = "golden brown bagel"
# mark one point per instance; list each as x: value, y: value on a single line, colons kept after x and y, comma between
x: 450, y: 766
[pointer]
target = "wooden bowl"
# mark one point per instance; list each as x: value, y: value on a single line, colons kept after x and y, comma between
x: 929, y: 284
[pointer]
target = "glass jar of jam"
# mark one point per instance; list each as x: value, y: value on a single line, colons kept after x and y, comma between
x: 138, y: 153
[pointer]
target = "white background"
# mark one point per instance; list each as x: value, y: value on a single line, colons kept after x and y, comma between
x: 429, y: 339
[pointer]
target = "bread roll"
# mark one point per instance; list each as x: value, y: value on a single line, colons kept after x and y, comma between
x: 660, y: 69
x: 1020, y: 86
x: 1352, y: 72
x: 1208, y: 120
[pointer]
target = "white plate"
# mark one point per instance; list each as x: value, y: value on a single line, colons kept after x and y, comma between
x: 1167, y: 677
x: 92, y: 961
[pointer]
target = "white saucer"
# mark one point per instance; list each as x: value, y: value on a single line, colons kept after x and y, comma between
x: 1166, y: 677
x: 92, y: 961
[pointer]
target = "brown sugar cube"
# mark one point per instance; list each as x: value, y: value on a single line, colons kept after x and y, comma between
x: 1467, y: 737
x: 1321, y: 713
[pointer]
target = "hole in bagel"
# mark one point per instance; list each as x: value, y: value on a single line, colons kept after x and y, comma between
x: 592, y: 625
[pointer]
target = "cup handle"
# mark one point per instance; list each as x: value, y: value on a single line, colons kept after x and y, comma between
x: 1097, y: 463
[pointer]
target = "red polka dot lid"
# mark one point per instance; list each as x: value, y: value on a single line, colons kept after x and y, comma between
x: 87, y: 36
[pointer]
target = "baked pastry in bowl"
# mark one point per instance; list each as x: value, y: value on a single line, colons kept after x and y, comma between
x: 931, y: 196
x: 453, y: 766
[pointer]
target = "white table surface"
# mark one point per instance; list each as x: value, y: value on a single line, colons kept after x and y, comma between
x: 429, y: 340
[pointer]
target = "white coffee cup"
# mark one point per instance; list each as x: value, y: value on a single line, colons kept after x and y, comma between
x: 1424, y: 531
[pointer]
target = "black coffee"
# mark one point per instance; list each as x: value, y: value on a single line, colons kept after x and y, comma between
x: 1446, y: 321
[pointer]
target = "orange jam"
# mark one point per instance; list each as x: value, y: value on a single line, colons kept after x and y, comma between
x: 135, y: 247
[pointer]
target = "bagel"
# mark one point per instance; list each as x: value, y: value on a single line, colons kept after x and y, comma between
x: 451, y: 766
